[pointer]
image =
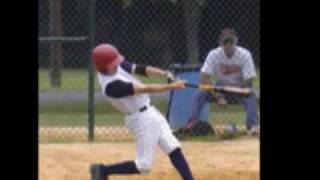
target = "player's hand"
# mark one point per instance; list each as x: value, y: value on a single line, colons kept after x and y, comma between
x: 180, y: 84
x: 206, y: 87
x: 171, y: 76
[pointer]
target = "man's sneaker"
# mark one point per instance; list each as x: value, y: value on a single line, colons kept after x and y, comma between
x: 96, y: 172
x: 254, y: 131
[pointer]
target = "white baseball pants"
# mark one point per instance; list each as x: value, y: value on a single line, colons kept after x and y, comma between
x: 150, y: 128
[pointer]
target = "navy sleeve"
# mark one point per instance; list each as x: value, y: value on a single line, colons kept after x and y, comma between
x: 119, y: 89
x: 141, y: 70
x: 127, y: 66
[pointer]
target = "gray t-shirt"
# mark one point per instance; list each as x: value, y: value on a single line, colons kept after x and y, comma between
x: 229, y: 71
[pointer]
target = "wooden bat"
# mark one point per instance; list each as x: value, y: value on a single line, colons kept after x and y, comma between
x: 223, y: 89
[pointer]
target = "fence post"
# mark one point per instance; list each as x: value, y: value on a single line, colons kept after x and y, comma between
x: 91, y: 101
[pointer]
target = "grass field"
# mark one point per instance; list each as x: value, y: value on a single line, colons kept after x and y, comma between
x: 75, y: 115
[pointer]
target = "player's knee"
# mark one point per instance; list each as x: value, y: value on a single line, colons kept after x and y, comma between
x: 144, y: 167
x: 145, y: 171
x: 171, y: 147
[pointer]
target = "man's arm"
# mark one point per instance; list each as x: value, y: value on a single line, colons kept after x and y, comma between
x: 248, y: 82
x: 248, y: 71
x: 156, y: 88
x: 144, y: 70
x: 205, y: 78
x: 120, y: 89
x: 153, y: 71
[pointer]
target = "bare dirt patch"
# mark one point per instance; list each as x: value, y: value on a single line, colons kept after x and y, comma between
x: 224, y: 160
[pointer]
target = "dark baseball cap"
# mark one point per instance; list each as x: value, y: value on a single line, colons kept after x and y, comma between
x: 228, y: 35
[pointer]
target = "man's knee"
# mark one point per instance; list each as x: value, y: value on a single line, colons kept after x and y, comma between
x: 145, y: 171
x: 144, y: 167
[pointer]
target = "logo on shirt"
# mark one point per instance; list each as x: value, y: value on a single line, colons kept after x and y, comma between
x: 229, y: 69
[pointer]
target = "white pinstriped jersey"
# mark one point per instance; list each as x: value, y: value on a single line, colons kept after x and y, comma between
x: 129, y: 104
x: 229, y: 71
x: 149, y: 127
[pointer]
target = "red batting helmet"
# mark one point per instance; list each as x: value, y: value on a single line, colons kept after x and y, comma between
x: 106, y: 57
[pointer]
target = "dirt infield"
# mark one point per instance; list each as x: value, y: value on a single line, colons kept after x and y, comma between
x: 80, y: 134
x: 225, y: 160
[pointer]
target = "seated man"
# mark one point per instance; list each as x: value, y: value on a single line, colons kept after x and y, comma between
x: 230, y: 65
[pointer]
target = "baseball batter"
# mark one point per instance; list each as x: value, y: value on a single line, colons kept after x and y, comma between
x: 232, y: 65
x: 131, y: 97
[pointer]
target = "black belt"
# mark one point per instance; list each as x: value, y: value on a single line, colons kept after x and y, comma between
x: 143, y: 108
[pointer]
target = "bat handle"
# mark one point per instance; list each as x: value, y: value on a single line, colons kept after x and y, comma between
x: 218, y: 88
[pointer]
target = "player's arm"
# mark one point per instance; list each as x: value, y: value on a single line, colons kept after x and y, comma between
x: 208, y: 68
x: 146, y: 70
x: 153, y: 71
x: 248, y: 71
x: 205, y: 78
x: 119, y: 89
x: 157, y: 88
x: 248, y: 82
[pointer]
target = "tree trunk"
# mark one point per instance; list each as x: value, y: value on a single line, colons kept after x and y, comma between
x: 191, y: 20
x: 56, y: 49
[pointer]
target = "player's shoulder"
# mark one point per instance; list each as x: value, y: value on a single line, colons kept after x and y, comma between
x: 127, y: 66
x: 215, y: 51
x: 244, y: 51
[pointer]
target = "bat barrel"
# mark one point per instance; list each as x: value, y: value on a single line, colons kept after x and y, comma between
x: 224, y: 89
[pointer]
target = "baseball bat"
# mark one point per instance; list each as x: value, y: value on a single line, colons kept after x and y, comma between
x: 223, y: 89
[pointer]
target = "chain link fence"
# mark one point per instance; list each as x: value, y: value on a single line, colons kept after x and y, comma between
x: 163, y: 33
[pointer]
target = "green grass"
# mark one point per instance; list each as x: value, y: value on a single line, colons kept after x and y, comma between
x: 106, y: 115
x: 116, y: 119
x: 75, y: 115
x: 77, y: 80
